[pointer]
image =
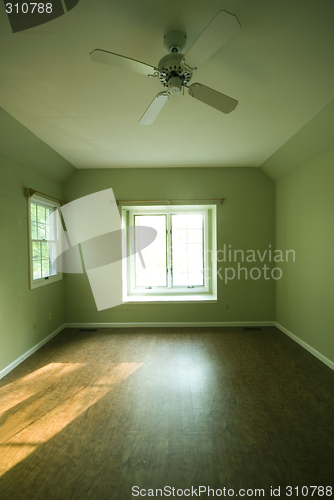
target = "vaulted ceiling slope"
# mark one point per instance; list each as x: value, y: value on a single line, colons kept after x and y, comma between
x: 279, y: 67
x: 314, y: 139
x: 21, y: 145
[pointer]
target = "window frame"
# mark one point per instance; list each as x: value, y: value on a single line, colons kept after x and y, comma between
x: 46, y: 203
x: 206, y: 291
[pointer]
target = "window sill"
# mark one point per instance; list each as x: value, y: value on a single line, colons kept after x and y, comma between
x: 45, y: 281
x: 139, y: 299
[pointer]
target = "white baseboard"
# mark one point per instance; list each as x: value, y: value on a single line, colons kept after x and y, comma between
x: 171, y: 324
x: 306, y: 346
x: 31, y: 351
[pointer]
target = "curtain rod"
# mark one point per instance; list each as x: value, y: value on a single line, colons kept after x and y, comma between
x: 169, y: 201
x: 31, y: 192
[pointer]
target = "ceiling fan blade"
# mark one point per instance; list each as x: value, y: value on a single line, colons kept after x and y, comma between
x: 222, y: 27
x: 154, y: 109
x: 105, y: 57
x: 213, y: 98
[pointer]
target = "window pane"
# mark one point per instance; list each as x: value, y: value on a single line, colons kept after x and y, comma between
x: 33, y: 230
x: 33, y: 209
x: 36, y: 250
x: 187, y: 250
x: 41, y: 231
x: 154, y: 255
x: 52, y: 251
x: 40, y: 223
x: 53, y: 271
x: 45, y: 268
x: 49, y: 226
x: 33, y: 219
x: 45, y: 250
x: 37, y: 271
x: 48, y: 230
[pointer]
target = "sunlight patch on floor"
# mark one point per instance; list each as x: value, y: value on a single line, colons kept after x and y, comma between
x: 67, y: 395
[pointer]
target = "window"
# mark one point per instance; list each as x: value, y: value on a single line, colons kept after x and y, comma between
x: 179, y: 263
x: 43, y: 241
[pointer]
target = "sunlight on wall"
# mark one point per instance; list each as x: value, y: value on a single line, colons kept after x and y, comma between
x: 36, y: 407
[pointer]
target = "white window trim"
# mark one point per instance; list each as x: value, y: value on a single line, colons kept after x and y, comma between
x: 207, y: 293
x: 50, y: 279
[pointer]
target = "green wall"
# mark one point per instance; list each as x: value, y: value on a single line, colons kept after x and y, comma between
x: 305, y: 223
x: 245, y: 220
x: 20, y: 306
x: 300, y: 208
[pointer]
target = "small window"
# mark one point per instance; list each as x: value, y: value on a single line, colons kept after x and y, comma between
x: 179, y: 263
x: 43, y: 241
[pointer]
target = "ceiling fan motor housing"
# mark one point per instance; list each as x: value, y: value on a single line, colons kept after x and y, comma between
x: 172, y: 74
x: 174, y: 41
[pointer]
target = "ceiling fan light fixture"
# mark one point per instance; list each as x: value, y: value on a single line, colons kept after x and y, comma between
x: 175, y: 85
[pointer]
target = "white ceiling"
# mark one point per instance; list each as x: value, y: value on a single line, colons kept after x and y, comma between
x: 279, y: 67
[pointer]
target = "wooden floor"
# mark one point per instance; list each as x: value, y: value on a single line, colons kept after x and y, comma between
x: 92, y: 414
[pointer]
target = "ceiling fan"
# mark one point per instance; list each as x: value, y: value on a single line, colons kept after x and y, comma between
x: 175, y: 70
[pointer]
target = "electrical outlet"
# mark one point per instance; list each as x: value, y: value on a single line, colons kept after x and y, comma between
x: 227, y: 305
x: 34, y: 325
x: 50, y: 315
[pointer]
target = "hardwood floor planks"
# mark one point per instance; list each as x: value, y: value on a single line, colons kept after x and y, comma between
x: 92, y: 414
